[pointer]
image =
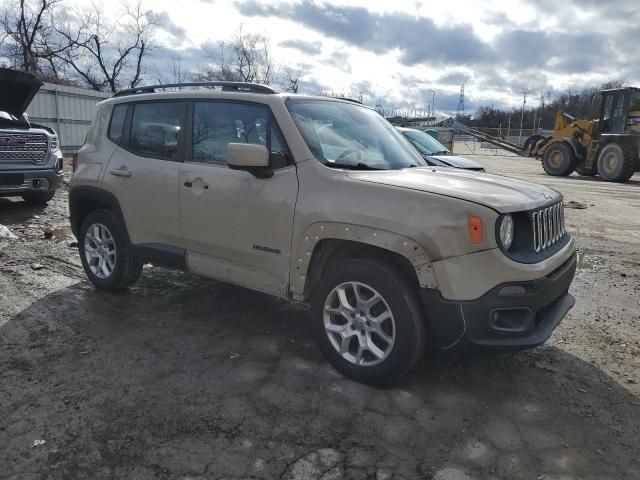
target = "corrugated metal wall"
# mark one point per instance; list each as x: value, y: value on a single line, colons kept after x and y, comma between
x: 68, y: 110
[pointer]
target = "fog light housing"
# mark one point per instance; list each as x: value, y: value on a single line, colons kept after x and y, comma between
x: 511, y: 320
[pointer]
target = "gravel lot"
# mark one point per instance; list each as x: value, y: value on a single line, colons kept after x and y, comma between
x: 182, y: 377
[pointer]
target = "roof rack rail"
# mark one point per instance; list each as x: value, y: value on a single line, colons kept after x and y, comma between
x: 347, y: 99
x: 226, y: 87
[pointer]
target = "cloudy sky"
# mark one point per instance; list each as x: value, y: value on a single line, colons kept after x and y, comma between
x: 398, y: 51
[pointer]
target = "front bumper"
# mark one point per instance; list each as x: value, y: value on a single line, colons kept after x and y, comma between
x: 18, y: 182
x: 511, y: 316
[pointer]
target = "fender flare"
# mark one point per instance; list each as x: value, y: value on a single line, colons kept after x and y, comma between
x: 81, y: 193
x: 304, y: 250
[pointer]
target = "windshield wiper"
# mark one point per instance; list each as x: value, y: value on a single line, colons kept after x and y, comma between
x: 441, y: 152
x: 352, y: 166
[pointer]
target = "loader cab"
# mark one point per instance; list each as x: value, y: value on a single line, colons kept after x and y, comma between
x: 620, y: 111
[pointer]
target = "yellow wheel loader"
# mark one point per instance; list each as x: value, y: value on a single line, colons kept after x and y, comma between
x: 607, y: 147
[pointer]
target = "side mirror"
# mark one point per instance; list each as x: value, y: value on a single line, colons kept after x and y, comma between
x: 250, y: 157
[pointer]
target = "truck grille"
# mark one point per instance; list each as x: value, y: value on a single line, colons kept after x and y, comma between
x: 23, y: 147
x: 548, y: 226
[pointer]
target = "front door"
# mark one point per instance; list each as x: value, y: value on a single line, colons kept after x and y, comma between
x: 237, y: 227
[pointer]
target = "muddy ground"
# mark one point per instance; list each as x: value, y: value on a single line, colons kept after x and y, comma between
x: 182, y: 377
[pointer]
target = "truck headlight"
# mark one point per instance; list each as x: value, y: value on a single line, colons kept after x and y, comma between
x: 506, y: 230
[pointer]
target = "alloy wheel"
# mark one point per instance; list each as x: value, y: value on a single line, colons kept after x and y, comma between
x: 359, y: 324
x: 100, y: 250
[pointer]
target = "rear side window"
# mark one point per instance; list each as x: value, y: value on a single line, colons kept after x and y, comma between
x: 157, y: 130
x: 116, y: 127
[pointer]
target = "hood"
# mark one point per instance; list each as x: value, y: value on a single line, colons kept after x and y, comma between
x: 456, y: 162
x: 502, y: 194
x: 17, y: 89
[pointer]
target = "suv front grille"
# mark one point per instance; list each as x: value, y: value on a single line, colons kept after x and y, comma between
x: 548, y: 226
x: 23, y: 147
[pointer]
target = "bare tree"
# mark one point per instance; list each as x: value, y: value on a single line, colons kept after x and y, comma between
x: 290, y: 78
x: 109, y: 54
x: 245, y: 58
x: 176, y: 72
x: 27, y: 35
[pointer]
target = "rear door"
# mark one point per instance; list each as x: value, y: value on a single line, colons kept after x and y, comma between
x: 144, y: 170
x: 237, y: 227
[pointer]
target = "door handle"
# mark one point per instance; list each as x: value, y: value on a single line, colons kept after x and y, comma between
x: 189, y: 183
x: 120, y: 172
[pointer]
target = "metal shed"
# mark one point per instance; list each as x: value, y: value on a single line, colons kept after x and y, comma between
x: 68, y: 110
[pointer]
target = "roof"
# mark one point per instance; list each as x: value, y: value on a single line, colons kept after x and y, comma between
x: 223, y: 90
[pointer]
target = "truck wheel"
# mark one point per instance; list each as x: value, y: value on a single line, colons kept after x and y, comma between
x: 617, y: 162
x: 38, y: 198
x: 585, y: 171
x: 104, y: 252
x: 559, y: 159
x: 367, y: 321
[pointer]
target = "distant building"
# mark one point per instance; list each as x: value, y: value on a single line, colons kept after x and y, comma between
x: 448, y: 122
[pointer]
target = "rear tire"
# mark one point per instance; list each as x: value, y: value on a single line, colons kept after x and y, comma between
x: 38, y: 198
x: 344, y: 338
x: 559, y: 159
x: 585, y: 171
x: 531, y: 142
x: 617, y: 162
x: 104, y: 252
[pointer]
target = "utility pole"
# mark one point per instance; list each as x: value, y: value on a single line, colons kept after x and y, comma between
x: 509, y: 127
x: 433, y: 105
x: 524, y: 102
x: 460, y: 104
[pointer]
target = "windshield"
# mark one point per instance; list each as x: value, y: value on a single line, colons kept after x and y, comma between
x: 425, y: 143
x: 347, y: 135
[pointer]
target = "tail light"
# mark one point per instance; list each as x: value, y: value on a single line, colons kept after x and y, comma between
x: 74, y: 162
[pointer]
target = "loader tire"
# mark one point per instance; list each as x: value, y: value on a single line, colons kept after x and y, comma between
x: 617, y: 162
x: 531, y: 141
x: 585, y: 171
x: 559, y: 159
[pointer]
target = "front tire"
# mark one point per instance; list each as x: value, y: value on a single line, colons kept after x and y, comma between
x: 367, y: 320
x: 38, y: 198
x: 617, y: 162
x: 105, y: 254
x: 559, y: 159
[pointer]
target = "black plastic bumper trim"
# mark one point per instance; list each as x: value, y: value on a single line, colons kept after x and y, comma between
x: 544, y: 304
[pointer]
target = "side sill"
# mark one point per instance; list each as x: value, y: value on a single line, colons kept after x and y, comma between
x: 160, y: 254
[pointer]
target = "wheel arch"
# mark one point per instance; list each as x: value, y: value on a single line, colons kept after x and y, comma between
x: 85, y: 199
x: 326, y: 242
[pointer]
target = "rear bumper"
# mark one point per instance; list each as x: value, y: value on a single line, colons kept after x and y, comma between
x: 18, y: 182
x: 511, y: 316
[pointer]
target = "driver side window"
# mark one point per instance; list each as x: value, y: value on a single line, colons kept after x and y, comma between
x: 217, y: 124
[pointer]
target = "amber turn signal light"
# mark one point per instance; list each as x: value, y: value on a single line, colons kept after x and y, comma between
x: 475, y: 230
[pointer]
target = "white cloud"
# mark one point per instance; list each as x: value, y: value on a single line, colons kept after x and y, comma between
x: 399, y: 50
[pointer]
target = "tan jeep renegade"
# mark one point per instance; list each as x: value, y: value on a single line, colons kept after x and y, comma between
x: 322, y: 201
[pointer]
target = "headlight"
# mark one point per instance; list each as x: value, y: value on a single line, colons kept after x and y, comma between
x: 506, y: 231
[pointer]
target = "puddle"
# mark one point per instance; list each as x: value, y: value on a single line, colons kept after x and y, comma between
x: 583, y: 262
x: 58, y: 234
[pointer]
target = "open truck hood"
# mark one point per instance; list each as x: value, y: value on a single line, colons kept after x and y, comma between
x: 502, y: 194
x: 17, y: 89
